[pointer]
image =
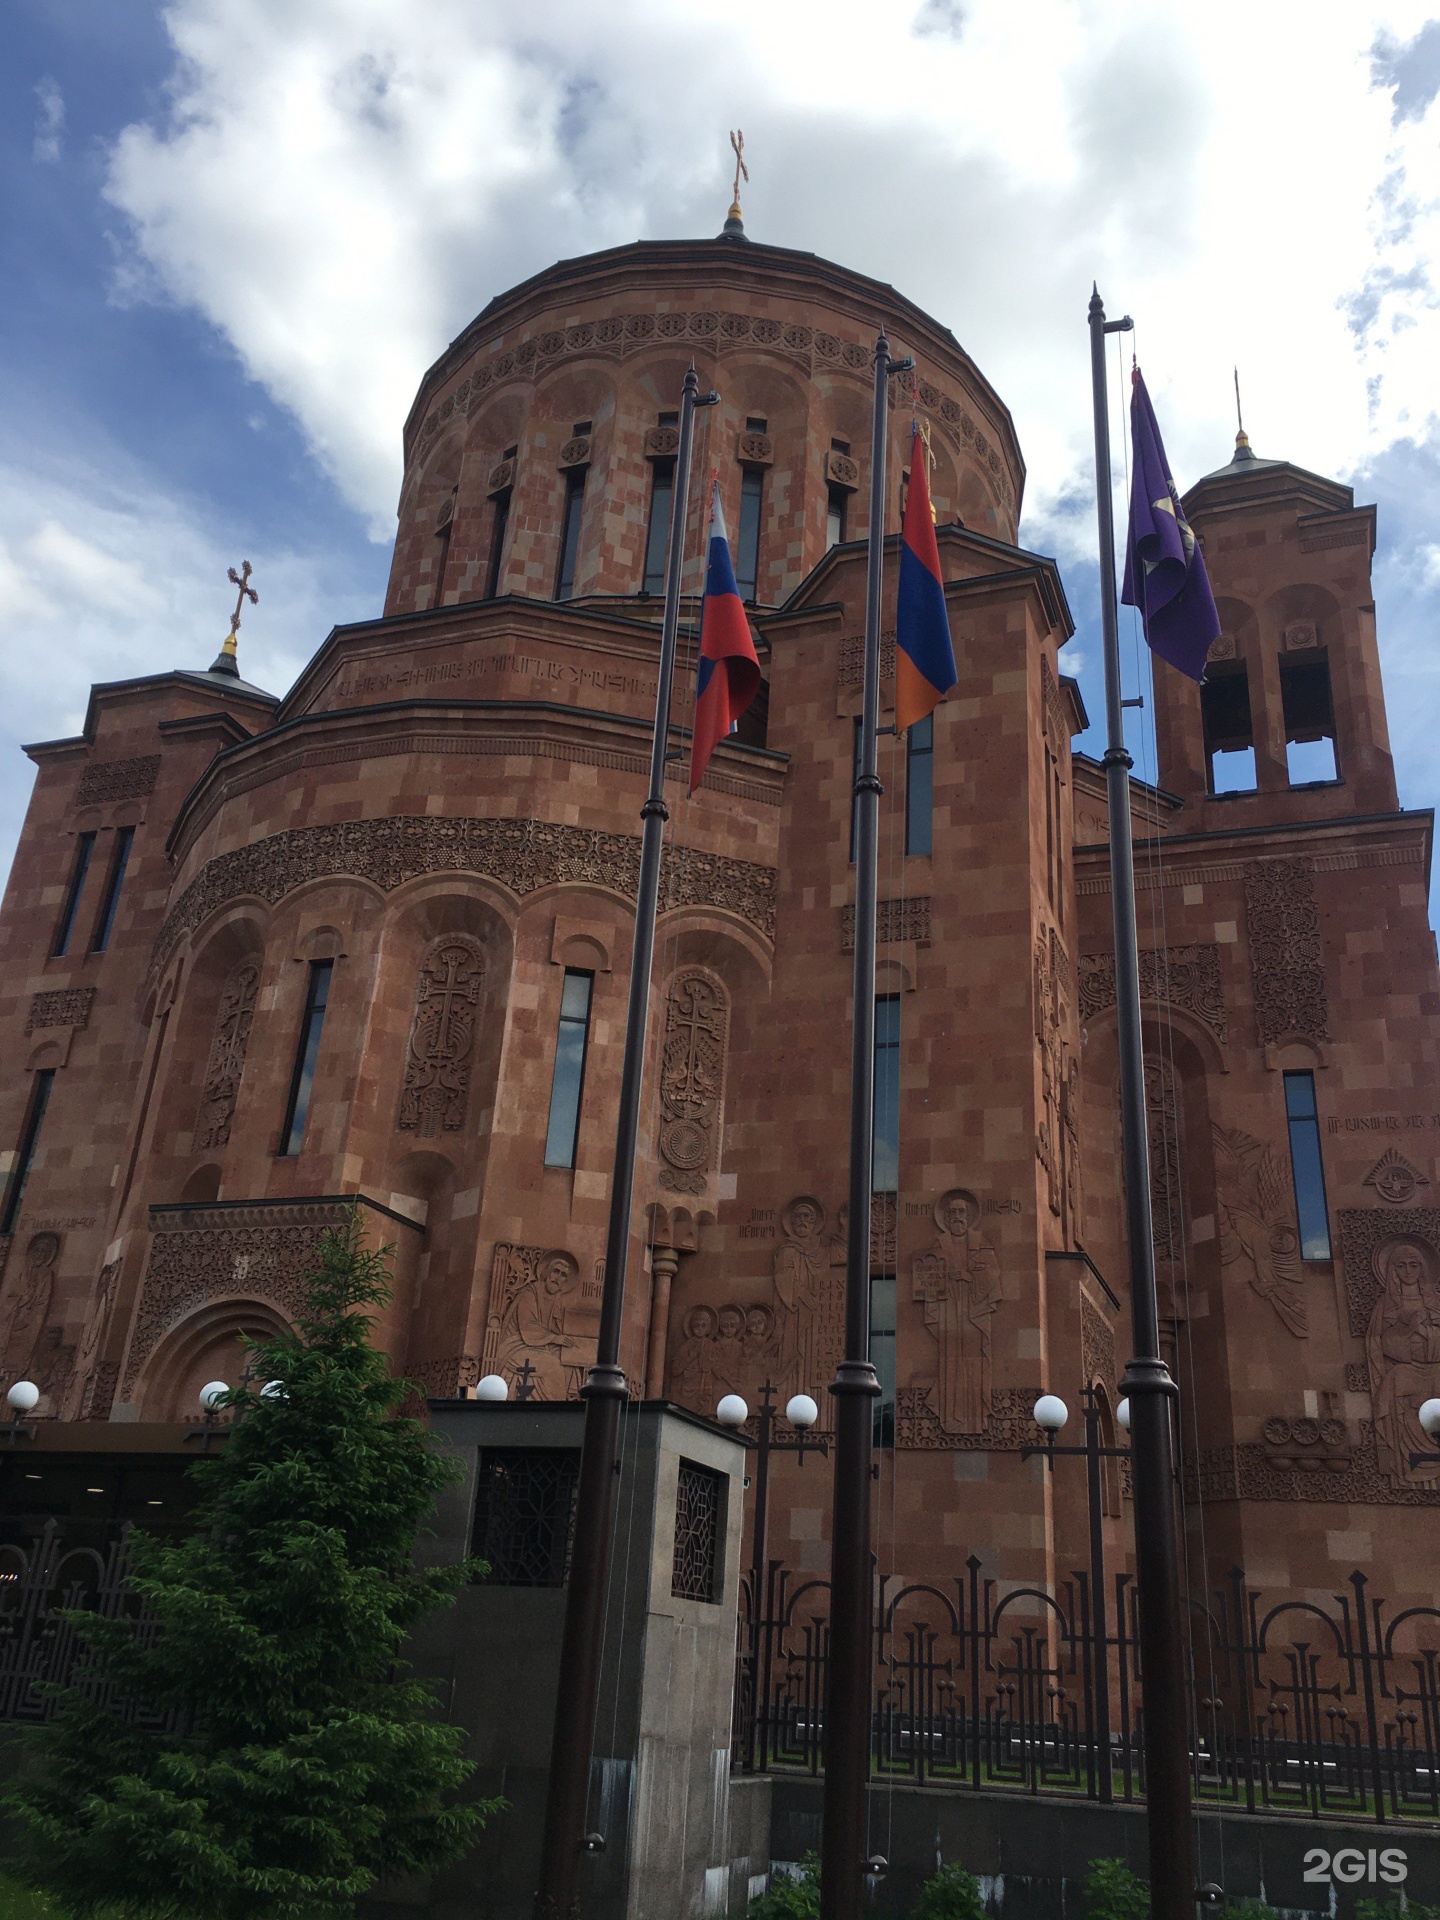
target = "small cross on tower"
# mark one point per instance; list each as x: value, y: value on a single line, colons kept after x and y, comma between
x: 734, y: 225
x: 225, y: 660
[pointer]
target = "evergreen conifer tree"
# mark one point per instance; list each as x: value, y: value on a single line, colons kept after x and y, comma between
x: 309, y: 1767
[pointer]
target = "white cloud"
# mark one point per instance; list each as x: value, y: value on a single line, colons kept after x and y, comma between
x: 49, y: 122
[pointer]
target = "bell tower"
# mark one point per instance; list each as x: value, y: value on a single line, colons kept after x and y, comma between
x: 1289, y: 725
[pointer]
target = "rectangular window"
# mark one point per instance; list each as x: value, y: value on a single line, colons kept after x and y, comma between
x: 854, y: 776
x: 84, y: 847
x: 657, y: 538
x: 119, y: 860
x: 699, y: 1533
x: 499, y: 525
x: 301, y: 1087
x: 747, y: 546
x: 885, y: 1155
x: 1309, y: 720
x: 571, y: 1044
x: 919, y: 784
x: 1229, y: 732
x: 442, y: 559
x: 835, y: 518
x: 525, y: 1514
x: 29, y: 1141
x: 882, y: 1354
x: 570, y: 532
x: 1306, y: 1166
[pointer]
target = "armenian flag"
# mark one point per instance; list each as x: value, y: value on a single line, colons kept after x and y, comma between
x: 924, y: 657
x: 729, y: 665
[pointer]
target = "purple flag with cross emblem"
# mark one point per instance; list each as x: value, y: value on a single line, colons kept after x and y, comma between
x: 1165, y: 573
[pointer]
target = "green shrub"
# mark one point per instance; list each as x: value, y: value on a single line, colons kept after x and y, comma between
x: 1373, y: 1909
x: 1248, y: 1910
x: 950, y: 1894
x: 1113, y: 1892
x: 18, y: 1903
x: 790, y: 1899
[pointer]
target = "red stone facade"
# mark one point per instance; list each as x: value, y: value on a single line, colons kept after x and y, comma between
x: 440, y: 822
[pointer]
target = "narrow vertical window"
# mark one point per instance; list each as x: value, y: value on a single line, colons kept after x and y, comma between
x: 571, y: 1044
x: 885, y: 1155
x: 835, y: 517
x: 662, y: 492
x: 570, y: 532
x: 1229, y: 732
x: 301, y: 1087
x: 84, y: 847
x: 882, y: 1354
x: 854, y: 776
x: 747, y: 545
x: 1306, y: 1166
x: 919, y: 784
x: 114, y: 880
x: 442, y: 556
x: 499, y: 525
x: 29, y: 1141
x: 1309, y: 720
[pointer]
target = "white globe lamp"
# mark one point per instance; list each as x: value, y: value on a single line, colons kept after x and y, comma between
x: 1051, y: 1412
x: 212, y: 1393
x: 1429, y: 1417
x: 1122, y: 1415
x: 272, y: 1391
x: 493, y: 1387
x: 23, y: 1397
x: 732, y: 1411
x: 801, y: 1411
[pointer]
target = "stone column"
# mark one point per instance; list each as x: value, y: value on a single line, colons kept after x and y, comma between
x: 664, y: 1265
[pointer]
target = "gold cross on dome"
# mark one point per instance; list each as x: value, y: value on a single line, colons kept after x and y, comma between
x: 242, y: 581
x: 737, y: 142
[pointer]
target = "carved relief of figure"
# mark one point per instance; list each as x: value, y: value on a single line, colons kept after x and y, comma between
x: 31, y: 1307
x: 759, y: 1343
x: 692, y: 1075
x: 1257, y: 1223
x: 694, y: 1370
x: 1402, y: 1346
x: 730, y: 1349
x: 87, y: 1353
x: 533, y: 1329
x: 810, y: 1304
x: 956, y: 1279
x: 1070, y: 1148
x: 227, y: 1057
x: 442, y: 1037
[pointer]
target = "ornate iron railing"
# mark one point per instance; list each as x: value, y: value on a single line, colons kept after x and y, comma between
x: 1298, y: 1708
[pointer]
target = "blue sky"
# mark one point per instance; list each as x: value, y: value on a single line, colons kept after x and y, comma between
x: 235, y: 232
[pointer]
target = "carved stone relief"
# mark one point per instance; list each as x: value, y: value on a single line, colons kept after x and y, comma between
x: 1252, y: 1471
x: 1057, y: 1145
x: 60, y: 1007
x: 1308, y: 1445
x: 1286, y: 957
x: 1187, y: 977
x: 28, y: 1308
x: 1363, y: 1232
x: 904, y: 919
x: 1162, y: 1121
x: 541, y: 1327
x: 850, y: 667
x: 692, y: 1079
x: 956, y: 1282
x: 80, y: 1403
x: 442, y: 1036
x: 1300, y: 634
x: 1257, y: 1223
x: 1402, y: 1350
x: 227, y: 1057
x: 108, y: 780
x: 1097, y: 1345
x: 1222, y: 647
x: 1394, y: 1179
x: 522, y: 854
x: 1053, y: 719
x: 809, y: 1271
x: 1010, y: 1425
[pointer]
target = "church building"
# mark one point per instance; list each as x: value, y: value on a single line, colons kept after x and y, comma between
x: 264, y: 955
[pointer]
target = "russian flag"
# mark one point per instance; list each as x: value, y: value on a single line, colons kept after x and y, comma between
x: 924, y: 657
x: 729, y: 665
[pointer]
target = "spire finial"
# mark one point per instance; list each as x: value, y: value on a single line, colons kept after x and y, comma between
x: 1242, y: 439
x: 734, y: 223
x: 226, y: 660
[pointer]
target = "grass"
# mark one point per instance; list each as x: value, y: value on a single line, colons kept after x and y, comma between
x: 18, y: 1903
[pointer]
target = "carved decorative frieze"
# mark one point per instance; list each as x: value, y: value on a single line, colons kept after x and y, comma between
x: 619, y: 335
x: 1250, y: 1471
x: 522, y: 854
x: 1097, y: 1345
x: 1222, y: 647
x: 540, y: 1329
x: 107, y: 780
x: 1323, y: 542
x: 955, y: 1281
x: 1187, y: 977
x: 1257, y: 1223
x: 1394, y: 1179
x: 447, y: 1379
x: 576, y: 451
x: 1162, y: 1120
x: 662, y: 443
x: 841, y: 470
x: 755, y: 449
x: 221, y: 1253
x: 502, y: 475
x: 1357, y: 1377
x: 894, y: 920
x: 1010, y: 1426
x: 1057, y: 1141
x: 692, y: 1078
x: 1285, y: 952
x: 233, y: 1021
x: 1308, y: 1445
x: 851, y: 666
x: 86, y: 1385
x: 442, y: 1036
x: 1301, y: 634
x: 61, y: 1007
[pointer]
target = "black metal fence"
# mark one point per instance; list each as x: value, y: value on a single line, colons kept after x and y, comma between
x: 1298, y: 1707
x: 41, y: 1583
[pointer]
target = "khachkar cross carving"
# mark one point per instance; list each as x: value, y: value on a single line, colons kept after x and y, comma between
x: 442, y: 1035
x: 697, y: 1018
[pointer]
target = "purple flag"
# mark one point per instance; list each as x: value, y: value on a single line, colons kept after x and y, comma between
x: 1165, y: 573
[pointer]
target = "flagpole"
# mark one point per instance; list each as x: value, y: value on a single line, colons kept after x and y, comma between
x: 605, y: 1392
x: 1147, y: 1381
x: 850, y: 1667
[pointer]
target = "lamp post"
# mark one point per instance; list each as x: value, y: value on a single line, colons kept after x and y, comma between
x: 210, y: 1397
x: 802, y: 1413
x: 1050, y: 1415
